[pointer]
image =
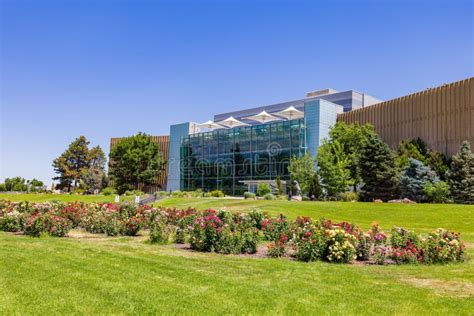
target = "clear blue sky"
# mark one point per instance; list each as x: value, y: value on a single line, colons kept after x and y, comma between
x: 113, y: 68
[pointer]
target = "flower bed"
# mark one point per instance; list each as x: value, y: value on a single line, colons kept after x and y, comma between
x: 231, y: 233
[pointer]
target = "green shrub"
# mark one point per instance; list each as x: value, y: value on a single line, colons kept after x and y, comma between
x: 108, y: 191
x: 12, y: 221
x: 79, y: 191
x: 256, y: 217
x: 159, y: 231
x: 437, y: 192
x: 263, y: 189
x: 229, y: 241
x: 349, y: 196
x: 2, y: 187
x: 134, y: 192
x: 161, y: 193
x: 269, y: 196
x: 112, y: 226
x: 216, y: 193
x: 177, y: 194
x: 249, y: 240
x: 249, y: 195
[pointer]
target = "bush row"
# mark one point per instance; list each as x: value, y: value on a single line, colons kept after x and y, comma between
x: 232, y: 233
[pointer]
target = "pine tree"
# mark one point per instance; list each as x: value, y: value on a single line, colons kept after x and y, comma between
x: 378, y: 170
x: 414, y: 179
x: 461, y: 175
x: 93, y: 177
x: 72, y: 163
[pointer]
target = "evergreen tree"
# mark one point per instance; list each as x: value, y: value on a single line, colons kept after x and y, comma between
x: 72, y: 163
x: 333, y: 167
x: 461, y: 175
x: 378, y: 170
x: 414, y: 179
x: 93, y: 177
x: 314, y: 187
x: 418, y: 149
x: 134, y: 161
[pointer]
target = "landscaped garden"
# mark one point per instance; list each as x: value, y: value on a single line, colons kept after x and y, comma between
x: 128, y: 259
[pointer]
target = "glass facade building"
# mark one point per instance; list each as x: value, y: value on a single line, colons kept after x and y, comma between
x: 223, y: 158
x: 234, y: 158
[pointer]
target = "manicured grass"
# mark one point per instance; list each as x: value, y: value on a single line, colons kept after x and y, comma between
x: 40, y: 197
x: 125, y: 275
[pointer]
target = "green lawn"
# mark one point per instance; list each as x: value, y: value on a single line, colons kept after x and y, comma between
x: 124, y: 275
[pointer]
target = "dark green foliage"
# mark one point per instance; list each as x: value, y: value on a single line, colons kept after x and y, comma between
x: 94, y: 177
x: 418, y: 149
x: 414, y: 178
x: 378, y: 170
x: 15, y: 184
x: 461, y: 175
x: 135, y: 160
x: 314, y: 186
x: 72, y: 163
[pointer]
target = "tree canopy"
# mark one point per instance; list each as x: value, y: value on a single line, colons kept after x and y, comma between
x: 461, y: 175
x: 76, y: 161
x: 134, y: 161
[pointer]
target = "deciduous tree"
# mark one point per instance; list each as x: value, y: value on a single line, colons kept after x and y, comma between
x: 135, y: 160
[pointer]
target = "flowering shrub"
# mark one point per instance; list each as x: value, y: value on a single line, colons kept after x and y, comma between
x: 132, y: 225
x: 277, y: 248
x: 34, y: 224
x: 442, y: 246
x: 340, y: 246
x: 56, y: 225
x: 232, y: 233
x: 380, y: 254
x: 275, y: 228
x: 159, y: 231
x: 11, y: 221
x: 205, y: 232
x: 308, y: 240
x: 406, y: 246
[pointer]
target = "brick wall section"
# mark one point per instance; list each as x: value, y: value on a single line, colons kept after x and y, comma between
x: 160, y: 181
x: 443, y: 117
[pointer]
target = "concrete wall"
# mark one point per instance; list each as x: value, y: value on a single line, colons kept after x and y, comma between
x: 443, y: 117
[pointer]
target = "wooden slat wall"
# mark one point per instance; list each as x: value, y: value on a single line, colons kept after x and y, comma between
x: 160, y: 181
x: 443, y: 117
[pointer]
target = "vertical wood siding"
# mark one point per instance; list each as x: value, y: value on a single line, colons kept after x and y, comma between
x: 443, y: 117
